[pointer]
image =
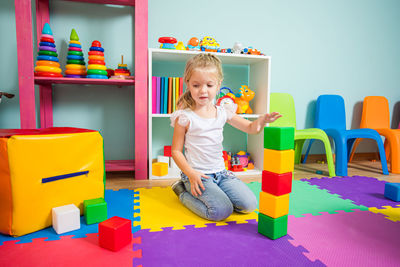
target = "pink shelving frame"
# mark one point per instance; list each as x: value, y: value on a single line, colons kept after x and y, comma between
x: 26, y: 79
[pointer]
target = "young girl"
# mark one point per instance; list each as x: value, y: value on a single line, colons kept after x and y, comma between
x: 206, y: 187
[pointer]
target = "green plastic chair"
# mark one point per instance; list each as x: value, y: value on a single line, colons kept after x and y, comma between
x: 284, y: 104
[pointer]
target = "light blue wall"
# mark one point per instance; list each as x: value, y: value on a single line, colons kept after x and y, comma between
x: 349, y: 48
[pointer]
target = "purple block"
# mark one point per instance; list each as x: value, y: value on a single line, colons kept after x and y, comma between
x: 230, y: 245
x: 359, y: 238
x: 361, y: 190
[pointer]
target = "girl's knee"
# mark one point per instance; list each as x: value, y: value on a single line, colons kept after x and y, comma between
x: 220, y: 212
x: 247, y: 205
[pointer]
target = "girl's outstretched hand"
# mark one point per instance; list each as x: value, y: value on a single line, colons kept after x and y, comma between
x: 271, y: 117
x: 196, y: 184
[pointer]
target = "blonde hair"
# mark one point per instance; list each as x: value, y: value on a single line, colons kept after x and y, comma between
x: 200, y: 61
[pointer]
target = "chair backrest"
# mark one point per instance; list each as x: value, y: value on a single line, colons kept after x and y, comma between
x: 284, y: 104
x: 375, y: 113
x: 330, y: 112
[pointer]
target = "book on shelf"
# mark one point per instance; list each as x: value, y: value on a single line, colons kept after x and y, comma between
x: 166, y: 92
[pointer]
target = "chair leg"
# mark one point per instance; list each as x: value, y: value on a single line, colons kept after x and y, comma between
x: 308, y: 151
x: 358, y: 140
x: 298, y: 148
x: 341, y: 156
x: 329, y: 158
x: 394, y: 145
x: 350, y: 143
x: 387, y: 149
x: 382, y: 155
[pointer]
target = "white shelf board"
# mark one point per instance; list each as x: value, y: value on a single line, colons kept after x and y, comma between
x: 172, y: 55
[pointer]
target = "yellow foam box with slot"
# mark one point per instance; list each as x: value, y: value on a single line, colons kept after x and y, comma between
x: 45, y: 168
x: 159, y: 168
x: 273, y: 206
x: 278, y: 161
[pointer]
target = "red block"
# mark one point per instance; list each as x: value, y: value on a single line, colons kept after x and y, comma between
x: 167, y: 151
x: 276, y: 184
x: 115, y: 233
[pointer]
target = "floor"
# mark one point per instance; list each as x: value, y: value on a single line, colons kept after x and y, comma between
x: 125, y: 180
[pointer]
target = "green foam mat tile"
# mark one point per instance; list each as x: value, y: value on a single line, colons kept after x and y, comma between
x: 309, y: 199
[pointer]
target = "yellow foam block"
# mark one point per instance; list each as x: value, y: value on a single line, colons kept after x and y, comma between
x: 40, y: 172
x: 159, y: 168
x: 274, y: 206
x: 278, y: 161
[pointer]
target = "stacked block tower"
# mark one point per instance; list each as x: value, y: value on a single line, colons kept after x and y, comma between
x: 75, y: 67
x: 276, y: 181
x: 47, y: 64
x: 97, y: 67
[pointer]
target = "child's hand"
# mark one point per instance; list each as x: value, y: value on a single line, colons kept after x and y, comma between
x: 271, y: 117
x: 196, y: 183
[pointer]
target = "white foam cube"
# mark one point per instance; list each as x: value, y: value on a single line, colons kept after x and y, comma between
x: 163, y: 159
x: 173, y: 164
x: 66, y: 218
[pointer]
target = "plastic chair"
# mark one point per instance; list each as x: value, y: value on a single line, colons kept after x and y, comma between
x: 376, y: 115
x: 284, y: 104
x: 330, y: 116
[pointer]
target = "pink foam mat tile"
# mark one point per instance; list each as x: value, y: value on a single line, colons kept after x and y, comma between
x: 67, y: 251
x: 359, y: 238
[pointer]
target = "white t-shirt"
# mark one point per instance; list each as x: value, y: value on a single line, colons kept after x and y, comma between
x: 203, y: 139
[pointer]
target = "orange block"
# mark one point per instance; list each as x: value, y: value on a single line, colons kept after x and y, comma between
x: 274, y: 206
x: 278, y: 161
x: 159, y: 169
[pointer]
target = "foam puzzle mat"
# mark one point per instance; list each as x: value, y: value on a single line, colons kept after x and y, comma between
x: 328, y: 226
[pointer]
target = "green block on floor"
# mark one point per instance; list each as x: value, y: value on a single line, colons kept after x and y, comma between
x: 279, y: 138
x: 272, y: 228
x: 95, y: 210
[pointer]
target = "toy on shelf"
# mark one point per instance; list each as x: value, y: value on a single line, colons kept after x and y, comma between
x: 97, y: 67
x: 75, y: 67
x: 122, y: 72
x: 226, y: 99
x: 167, y: 42
x: 47, y: 60
x: 209, y: 44
x: 243, y: 99
x: 236, y: 49
x: 180, y: 46
x: 193, y: 44
x: 238, y: 162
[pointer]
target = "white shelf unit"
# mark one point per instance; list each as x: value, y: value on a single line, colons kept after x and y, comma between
x: 258, y: 69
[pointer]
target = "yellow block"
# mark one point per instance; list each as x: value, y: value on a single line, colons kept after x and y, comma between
x: 278, y: 161
x: 31, y: 158
x: 159, y: 168
x: 274, y: 206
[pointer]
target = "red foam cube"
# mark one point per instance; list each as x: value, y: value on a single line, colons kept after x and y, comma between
x: 167, y: 151
x: 275, y: 183
x: 115, y: 233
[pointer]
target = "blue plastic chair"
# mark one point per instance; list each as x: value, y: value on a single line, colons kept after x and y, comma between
x: 330, y: 116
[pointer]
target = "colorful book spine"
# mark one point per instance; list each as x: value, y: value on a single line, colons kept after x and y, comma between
x: 154, y: 94
x: 276, y: 181
x: 158, y: 96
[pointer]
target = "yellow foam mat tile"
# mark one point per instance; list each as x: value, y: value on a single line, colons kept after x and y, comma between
x: 391, y: 213
x: 160, y: 207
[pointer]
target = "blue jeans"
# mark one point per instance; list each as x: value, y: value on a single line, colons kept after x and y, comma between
x: 223, y: 194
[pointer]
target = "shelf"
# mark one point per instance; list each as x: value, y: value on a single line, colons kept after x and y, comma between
x: 249, y: 116
x: 50, y: 80
x: 171, y: 55
x: 175, y: 174
x: 119, y: 165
